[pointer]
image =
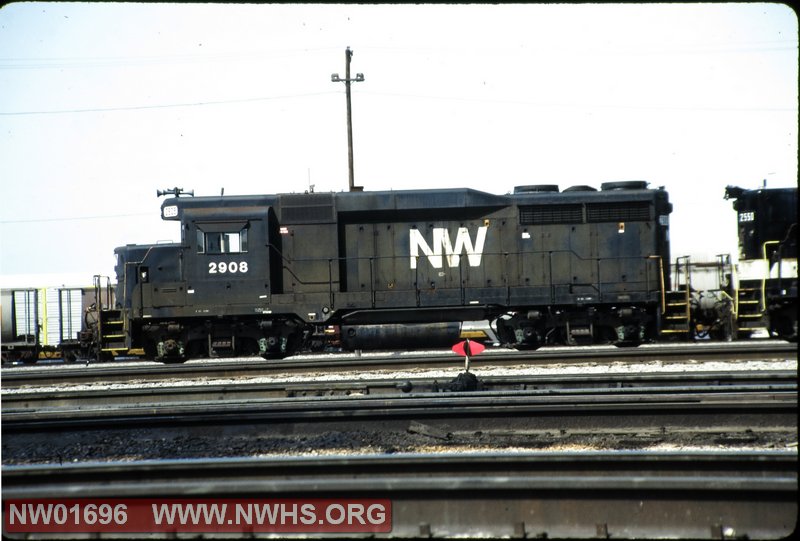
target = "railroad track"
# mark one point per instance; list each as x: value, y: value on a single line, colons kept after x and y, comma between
x: 468, y: 494
x: 584, y: 495
x: 742, y: 413
x: 159, y: 395
x: 15, y: 377
x: 657, y: 405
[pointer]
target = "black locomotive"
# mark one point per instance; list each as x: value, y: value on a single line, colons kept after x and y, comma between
x: 260, y: 274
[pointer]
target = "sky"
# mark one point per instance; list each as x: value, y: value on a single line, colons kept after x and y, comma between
x: 102, y: 104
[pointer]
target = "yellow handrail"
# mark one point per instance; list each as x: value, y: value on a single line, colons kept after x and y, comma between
x: 735, y: 289
x: 766, y: 274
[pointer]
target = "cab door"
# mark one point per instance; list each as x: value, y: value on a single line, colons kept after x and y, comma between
x: 227, y: 265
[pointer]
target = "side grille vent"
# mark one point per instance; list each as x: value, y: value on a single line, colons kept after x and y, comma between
x: 307, y: 209
x: 550, y: 214
x: 638, y: 211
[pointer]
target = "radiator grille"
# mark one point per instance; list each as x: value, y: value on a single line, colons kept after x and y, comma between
x: 551, y: 214
x: 634, y: 211
x: 307, y: 209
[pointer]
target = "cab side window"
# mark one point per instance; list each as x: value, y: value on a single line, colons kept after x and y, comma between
x: 221, y: 242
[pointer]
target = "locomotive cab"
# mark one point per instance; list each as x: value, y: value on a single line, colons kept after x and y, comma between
x: 210, y: 294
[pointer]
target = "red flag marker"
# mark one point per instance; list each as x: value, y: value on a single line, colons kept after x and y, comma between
x: 468, y: 348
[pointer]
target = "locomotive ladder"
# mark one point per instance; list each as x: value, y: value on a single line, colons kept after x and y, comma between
x: 750, y: 311
x: 751, y: 303
x: 112, y: 335
x: 676, y: 312
x: 110, y: 325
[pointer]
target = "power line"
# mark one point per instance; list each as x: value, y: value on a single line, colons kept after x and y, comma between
x: 126, y: 61
x: 592, y: 49
x: 164, y: 106
x: 583, y: 105
x: 72, y: 219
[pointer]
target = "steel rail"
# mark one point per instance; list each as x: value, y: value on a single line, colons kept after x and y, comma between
x: 46, y: 398
x: 115, y: 372
x: 517, y: 495
x: 528, y: 404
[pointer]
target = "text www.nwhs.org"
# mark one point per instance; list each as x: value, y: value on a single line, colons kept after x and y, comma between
x: 150, y: 515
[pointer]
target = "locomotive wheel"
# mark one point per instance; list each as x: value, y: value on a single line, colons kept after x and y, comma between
x: 518, y: 332
x: 783, y: 323
x: 276, y: 356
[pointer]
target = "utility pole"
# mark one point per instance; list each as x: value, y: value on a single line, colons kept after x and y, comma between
x: 347, y: 80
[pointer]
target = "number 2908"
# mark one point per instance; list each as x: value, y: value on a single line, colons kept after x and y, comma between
x: 231, y: 268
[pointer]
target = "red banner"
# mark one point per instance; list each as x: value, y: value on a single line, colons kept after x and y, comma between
x: 78, y: 515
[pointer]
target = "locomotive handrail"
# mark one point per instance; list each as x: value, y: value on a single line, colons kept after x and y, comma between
x: 372, y: 280
x: 285, y: 262
x: 767, y: 272
x: 98, y: 286
x: 662, y: 283
x: 686, y: 270
x: 330, y: 283
x: 723, y: 260
x: 735, y: 290
x: 597, y: 288
x: 289, y: 264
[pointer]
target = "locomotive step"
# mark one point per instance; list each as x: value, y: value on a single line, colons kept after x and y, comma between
x: 749, y: 298
x: 110, y: 336
x: 677, y: 326
x: 751, y: 325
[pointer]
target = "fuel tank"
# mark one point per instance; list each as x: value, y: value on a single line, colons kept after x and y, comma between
x: 400, y: 336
